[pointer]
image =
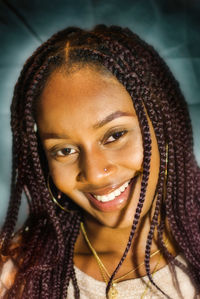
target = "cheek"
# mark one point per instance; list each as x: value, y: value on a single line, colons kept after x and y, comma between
x: 63, y: 176
x: 131, y: 156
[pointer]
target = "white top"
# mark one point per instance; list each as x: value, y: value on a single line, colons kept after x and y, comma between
x: 138, y: 288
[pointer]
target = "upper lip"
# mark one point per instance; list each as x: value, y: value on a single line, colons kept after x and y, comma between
x: 107, y: 189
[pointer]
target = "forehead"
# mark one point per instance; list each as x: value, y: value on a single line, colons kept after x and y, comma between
x: 85, y: 95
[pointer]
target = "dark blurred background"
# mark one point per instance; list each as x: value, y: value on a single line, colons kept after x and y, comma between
x: 171, y: 26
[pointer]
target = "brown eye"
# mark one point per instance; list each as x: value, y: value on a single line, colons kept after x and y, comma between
x: 65, y: 152
x: 115, y: 136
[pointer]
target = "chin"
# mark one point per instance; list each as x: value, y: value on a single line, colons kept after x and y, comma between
x: 114, y: 220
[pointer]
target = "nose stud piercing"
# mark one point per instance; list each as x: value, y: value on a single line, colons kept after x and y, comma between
x: 105, y: 169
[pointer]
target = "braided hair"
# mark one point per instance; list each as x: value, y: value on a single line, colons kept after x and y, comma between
x: 45, y: 256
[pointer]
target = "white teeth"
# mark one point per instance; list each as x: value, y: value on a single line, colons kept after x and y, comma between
x: 112, y: 195
x: 117, y: 192
x: 122, y: 189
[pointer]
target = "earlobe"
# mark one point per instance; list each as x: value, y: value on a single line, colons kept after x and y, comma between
x: 54, y: 199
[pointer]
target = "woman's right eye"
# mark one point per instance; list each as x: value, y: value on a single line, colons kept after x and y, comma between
x: 64, y: 152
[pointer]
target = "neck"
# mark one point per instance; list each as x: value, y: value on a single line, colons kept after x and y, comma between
x: 110, y: 243
x: 108, y: 240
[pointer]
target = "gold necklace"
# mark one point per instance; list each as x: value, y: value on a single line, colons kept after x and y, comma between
x: 113, y: 293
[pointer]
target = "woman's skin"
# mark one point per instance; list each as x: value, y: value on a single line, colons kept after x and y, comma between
x: 87, y: 123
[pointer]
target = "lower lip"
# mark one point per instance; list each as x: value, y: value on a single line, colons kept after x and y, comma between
x: 114, y: 204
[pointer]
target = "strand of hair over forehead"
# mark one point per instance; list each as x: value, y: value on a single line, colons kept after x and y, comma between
x: 53, y: 231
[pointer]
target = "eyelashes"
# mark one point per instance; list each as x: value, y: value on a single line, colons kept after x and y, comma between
x: 115, y: 136
x: 69, y: 152
x: 65, y: 152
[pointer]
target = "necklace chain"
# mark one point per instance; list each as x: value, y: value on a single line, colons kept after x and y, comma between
x: 112, y: 294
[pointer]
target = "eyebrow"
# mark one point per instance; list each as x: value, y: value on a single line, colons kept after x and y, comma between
x: 111, y: 117
x: 98, y: 125
x: 54, y: 136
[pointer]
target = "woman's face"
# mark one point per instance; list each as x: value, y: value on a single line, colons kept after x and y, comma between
x: 93, y: 143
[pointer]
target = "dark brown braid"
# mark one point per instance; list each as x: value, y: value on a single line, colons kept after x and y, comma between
x: 45, y: 255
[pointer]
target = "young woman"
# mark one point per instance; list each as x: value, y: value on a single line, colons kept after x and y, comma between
x: 102, y: 149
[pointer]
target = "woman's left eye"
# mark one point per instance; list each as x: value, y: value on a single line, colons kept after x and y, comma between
x: 115, y: 136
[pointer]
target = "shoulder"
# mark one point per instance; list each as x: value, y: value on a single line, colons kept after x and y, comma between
x: 8, y: 268
x: 7, y: 276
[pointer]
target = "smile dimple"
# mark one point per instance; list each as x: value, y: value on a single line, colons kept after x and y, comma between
x: 112, y: 195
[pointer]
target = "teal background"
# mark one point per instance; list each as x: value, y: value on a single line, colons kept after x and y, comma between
x: 172, y: 27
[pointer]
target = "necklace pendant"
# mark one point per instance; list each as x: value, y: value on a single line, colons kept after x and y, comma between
x: 113, y: 293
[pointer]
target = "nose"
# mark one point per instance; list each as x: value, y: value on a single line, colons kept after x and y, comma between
x: 95, y: 167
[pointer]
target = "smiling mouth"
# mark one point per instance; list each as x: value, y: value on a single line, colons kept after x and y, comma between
x: 111, y: 196
x: 114, y: 200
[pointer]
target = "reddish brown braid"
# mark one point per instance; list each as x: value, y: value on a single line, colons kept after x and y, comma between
x: 154, y: 222
x: 45, y: 257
